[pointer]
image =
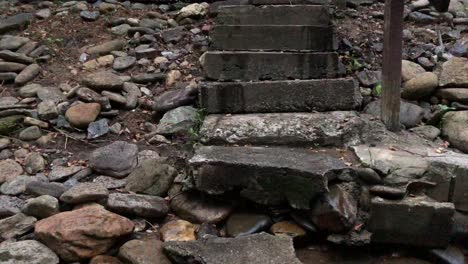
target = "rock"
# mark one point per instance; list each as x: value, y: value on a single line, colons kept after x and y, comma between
x: 15, y: 22
x: 35, y: 122
x: 89, y: 15
x: 253, y: 249
x: 241, y: 224
x: 9, y: 42
x: 11, y: 67
x: 460, y: 48
x: 120, y: 30
x: 115, y: 97
x: 145, y: 78
x: 419, y: 17
x: 143, y: 252
x: 192, y: 207
x: 387, y: 192
x: 4, y: 143
x: 51, y: 93
x: 410, y: 114
x: 454, y: 94
x: 81, y: 115
x: 117, y: 159
x: 123, y: 63
x: 82, y: 233
x: 10, y: 205
x: 454, y: 129
x: 98, y: 128
x: 29, y: 90
x: 9, y: 169
x: 133, y: 95
x: 421, y: 86
x: 207, y: 230
x: 110, y: 182
x: 107, y: 47
x: 30, y: 133
x: 16, y: 186
x: 27, y: 74
x: 88, y: 95
x: 59, y: 173
x: 16, y: 225
x: 175, y: 98
x: 9, y: 124
x: 151, y: 177
x: 368, y: 175
x: 433, y: 228
x: 103, y: 80
x: 84, y: 193
x: 102, y: 259
x: 7, y: 76
x: 287, y: 229
x: 47, y: 110
x: 26, y: 252
x: 429, y: 132
x: 409, y: 70
x: 138, y: 204
x: 41, y: 207
x: 335, y: 212
x: 173, y: 35
x: 454, y: 73
x: 178, y: 230
x: 39, y: 188
x: 193, y: 11
x: 43, y: 13
x: 369, y: 78
x: 11, y: 56
x: 177, y: 121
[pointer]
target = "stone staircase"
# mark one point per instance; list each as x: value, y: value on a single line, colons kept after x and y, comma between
x: 274, y: 88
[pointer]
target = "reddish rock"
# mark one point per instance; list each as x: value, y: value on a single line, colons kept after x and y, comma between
x: 102, y: 259
x: 81, y: 115
x: 82, y: 233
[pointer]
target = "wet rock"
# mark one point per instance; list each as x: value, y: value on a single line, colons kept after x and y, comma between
x: 15, y: 22
x: 117, y: 159
x: 197, y: 209
x: 103, y: 80
x: 241, y: 224
x: 151, y: 177
x: 39, y: 188
x: 177, y: 121
x: 59, y: 173
x: 16, y: 186
x: 41, y: 207
x: 123, y: 63
x: 410, y: 70
x: 454, y: 73
x: 27, y: 74
x: 287, y: 229
x: 89, y: 15
x: 84, y: 193
x: 178, y: 230
x: 82, y: 233
x: 47, y: 110
x: 335, y: 212
x: 143, y: 252
x: 412, y: 221
x: 454, y: 129
x: 410, y: 114
x: 30, y: 133
x: 107, y: 47
x: 15, y: 225
x: 175, y: 98
x: 10, y: 205
x: 421, y: 86
x: 26, y: 252
x: 9, y: 169
x: 253, y: 249
x: 81, y: 115
x: 138, y: 204
x: 454, y: 94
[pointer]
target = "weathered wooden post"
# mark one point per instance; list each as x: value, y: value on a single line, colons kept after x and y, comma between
x: 391, y: 68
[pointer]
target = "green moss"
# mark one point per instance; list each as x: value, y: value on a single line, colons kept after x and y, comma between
x: 10, y: 123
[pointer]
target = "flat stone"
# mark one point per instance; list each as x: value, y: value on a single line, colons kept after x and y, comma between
x: 41, y: 207
x: 50, y: 93
x: 280, y: 96
x: 138, y: 204
x: 16, y: 225
x: 30, y: 133
x: 151, y: 177
x: 454, y: 94
x: 110, y: 182
x: 26, y: 252
x: 143, y: 251
x: 117, y: 159
x: 83, y: 233
x: 454, y: 73
x: 123, y: 63
x: 10, y: 205
x: 98, y: 128
x: 103, y: 80
x: 11, y: 56
x: 59, y: 173
x: 28, y: 74
x: 253, y: 66
x: 11, y: 66
x: 177, y: 121
x: 262, y: 173
x: 7, y: 76
x: 273, y: 15
x: 9, y: 42
x: 174, y: 98
x: 178, y: 230
x: 9, y: 169
x: 412, y: 221
x: 107, y: 47
x: 84, y: 193
x: 89, y: 15
x: 16, y: 186
x: 273, y: 37
x: 145, y: 78
x: 39, y: 188
x: 301, y: 129
x: 254, y: 249
x: 242, y: 224
x: 15, y: 22
x: 115, y: 97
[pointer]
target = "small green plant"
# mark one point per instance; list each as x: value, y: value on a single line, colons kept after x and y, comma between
x: 54, y: 40
x: 194, y: 131
x: 378, y: 89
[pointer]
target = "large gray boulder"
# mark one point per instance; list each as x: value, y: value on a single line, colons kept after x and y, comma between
x: 26, y: 252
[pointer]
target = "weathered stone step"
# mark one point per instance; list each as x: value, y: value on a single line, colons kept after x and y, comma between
x: 335, y: 129
x: 276, y: 37
x: 274, y: 15
x: 266, y: 175
x: 253, y: 66
x: 280, y: 96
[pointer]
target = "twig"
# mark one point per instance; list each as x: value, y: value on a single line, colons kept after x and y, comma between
x: 74, y: 138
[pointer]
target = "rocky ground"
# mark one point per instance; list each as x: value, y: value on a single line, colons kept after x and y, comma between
x: 99, y: 116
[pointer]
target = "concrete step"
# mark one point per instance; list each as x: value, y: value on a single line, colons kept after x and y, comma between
x: 267, y: 175
x: 254, y: 66
x: 273, y: 37
x: 274, y: 15
x: 280, y: 96
x: 334, y: 129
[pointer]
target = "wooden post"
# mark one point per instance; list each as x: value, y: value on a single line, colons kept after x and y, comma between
x: 391, y: 68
